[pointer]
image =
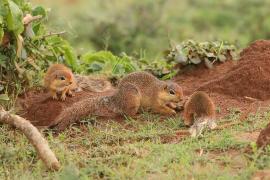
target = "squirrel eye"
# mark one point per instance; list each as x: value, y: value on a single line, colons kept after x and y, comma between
x: 172, y: 92
x: 62, y: 78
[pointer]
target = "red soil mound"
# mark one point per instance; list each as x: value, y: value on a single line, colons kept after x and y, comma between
x: 233, y: 84
x: 39, y: 108
x: 250, y: 78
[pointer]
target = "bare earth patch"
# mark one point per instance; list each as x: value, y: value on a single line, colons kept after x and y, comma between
x: 247, y: 136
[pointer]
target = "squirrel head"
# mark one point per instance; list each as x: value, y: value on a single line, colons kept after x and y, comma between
x: 174, y: 92
x: 61, y: 79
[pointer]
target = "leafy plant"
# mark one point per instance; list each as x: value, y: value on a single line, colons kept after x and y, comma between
x: 191, y: 52
x: 104, y: 62
x: 26, y: 48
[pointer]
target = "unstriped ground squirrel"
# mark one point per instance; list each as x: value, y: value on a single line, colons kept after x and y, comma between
x: 156, y: 95
x: 199, y: 111
x: 59, y: 79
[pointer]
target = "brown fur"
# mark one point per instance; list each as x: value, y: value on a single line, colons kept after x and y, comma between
x: 54, y: 83
x: 93, y: 83
x: 125, y: 101
x: 155, y: 94
x: 199, y: 105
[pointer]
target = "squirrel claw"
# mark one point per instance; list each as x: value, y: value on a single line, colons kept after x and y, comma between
x: 63, y: 97
x: 71, y: 94
x: 55, y: 97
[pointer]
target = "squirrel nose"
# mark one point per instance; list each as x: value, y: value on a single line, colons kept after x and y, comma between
x: 70, y: 82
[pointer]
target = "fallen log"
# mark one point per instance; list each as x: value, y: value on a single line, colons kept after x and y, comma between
x: 33, y: 135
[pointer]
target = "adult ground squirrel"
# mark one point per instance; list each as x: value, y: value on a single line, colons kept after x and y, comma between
x: 59, y: 79
x: 199, y: 111
x: 156, y: 95
x: 124, y: 101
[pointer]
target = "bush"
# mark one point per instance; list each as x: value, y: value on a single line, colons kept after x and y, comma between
x: 191, y: 52
x: 26, y: 48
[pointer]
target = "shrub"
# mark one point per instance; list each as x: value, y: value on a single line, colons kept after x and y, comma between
x: 191, y: 52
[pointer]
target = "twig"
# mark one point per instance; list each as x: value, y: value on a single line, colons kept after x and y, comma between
x: 53, y: 34
x: 250, y: 98
x: 29, y: 18
x: 34, y: 136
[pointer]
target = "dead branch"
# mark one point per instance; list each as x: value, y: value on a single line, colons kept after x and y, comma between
x: 250, y: 98
x: 28, y: 18
x: 53, y: 34
x: 34, y: 136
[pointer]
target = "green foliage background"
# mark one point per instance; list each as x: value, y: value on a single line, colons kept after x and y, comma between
x: 130, y: 35
x: 130, y: 25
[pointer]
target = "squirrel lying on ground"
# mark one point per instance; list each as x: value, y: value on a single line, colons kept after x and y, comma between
x: 59, y: 79
x: 125, y: 101
x: 156, y: 95
x: 199, y: 111
x: 134, y: 91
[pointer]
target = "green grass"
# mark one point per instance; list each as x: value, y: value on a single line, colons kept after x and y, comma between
x: 136, y: 149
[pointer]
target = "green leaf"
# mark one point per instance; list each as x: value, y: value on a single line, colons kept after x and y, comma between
x: 3, y: 9
x: 210, y: 54
x: 234, y: 55
x: 196, y: 60
x: 208, y: 63
x: 222, y: 58
x: 1, y: 34
x: 38, y: 27
x: 95, y: 67
x: 4, y: 97
x: 14, y: 18
x: 39, y: 10
x: 180, y: 58
x: 3, y: 59
x: 70, y: 57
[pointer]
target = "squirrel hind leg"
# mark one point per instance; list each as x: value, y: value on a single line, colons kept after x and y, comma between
x: 129, y: 99
x: 132, y: 107
x: 131, y: 111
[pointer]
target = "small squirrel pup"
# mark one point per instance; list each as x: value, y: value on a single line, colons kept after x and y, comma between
x: 59, y: 79
x: 156, y: 95
x: 199, y: 111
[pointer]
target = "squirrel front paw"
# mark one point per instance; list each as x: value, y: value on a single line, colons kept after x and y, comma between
x: 69, y: 93
x: 63, y: 97
x: 168, y: 111
x: 55, y: 97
